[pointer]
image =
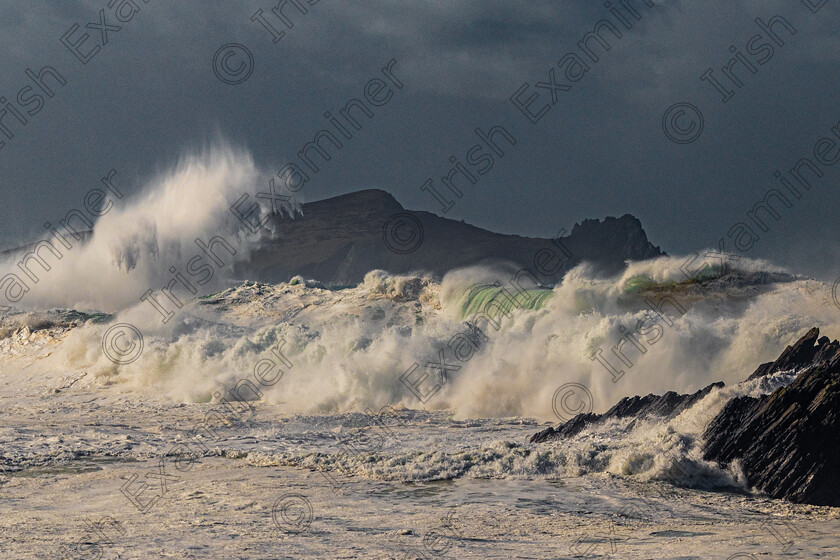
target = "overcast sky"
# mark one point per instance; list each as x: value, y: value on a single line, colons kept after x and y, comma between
x: 150, y: 95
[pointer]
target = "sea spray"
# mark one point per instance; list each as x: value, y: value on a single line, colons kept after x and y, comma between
x: 349, y: 346
x: 134, y: 247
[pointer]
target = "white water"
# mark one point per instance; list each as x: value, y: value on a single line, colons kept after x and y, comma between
x: 77, y: 425
x: 145, y: 233
x: 348, y: 348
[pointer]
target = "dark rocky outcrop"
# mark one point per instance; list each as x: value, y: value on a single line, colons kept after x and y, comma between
x: 339, y: 240
x: 788, y: 442
x: 809, y: 350
x: 663, y: 407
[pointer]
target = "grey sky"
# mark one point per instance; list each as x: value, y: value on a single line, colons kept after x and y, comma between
x: 150, y: 95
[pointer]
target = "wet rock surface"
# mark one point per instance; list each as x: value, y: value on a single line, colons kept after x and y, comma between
x: 664, y: 406
x: 787, y: 442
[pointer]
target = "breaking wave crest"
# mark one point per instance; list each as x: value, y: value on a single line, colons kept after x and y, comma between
x: 354, y: 348
x: 142, y: 236
x: 472, y: 343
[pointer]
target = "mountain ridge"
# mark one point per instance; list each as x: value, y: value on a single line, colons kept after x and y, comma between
x: 340, y: 239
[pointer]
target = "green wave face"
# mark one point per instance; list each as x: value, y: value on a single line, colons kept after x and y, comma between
x: 641, y: 283
x: 489, y: 298
x: 709, y: 272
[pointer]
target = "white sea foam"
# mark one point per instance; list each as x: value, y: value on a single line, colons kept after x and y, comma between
x: 136, y: 242
x: 349, y: 348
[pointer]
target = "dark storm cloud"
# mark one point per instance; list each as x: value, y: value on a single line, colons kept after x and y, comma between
x: 150, y: 95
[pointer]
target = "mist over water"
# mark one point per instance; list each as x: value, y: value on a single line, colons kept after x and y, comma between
x: 136, y: 242
x: 349, y: 347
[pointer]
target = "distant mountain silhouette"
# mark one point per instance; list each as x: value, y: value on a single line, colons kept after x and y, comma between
x: 338, y: 240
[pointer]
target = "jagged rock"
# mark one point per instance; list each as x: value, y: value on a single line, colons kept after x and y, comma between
x: 567, y: 429
x: 801, y: 354
x: 664, y: 406
x: 787, y: 442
